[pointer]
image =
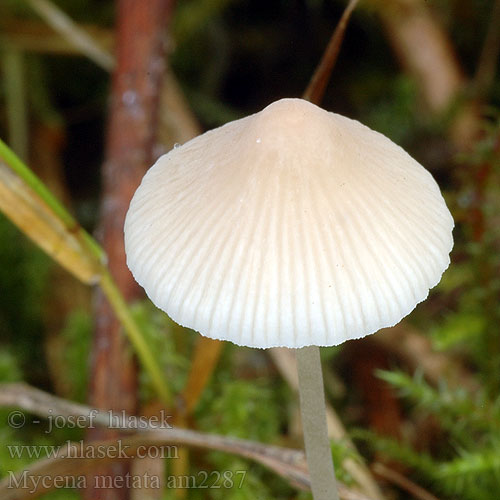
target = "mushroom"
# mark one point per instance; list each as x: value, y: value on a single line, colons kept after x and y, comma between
x: 292, y: 227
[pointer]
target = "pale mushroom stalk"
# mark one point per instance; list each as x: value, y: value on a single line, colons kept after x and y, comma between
x: 313, y: 410
x: 292, y: 227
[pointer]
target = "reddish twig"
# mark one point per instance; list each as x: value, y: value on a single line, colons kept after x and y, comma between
x: 131, y: 137
x: 317, y: 86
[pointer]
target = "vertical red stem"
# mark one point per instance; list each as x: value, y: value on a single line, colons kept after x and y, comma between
x: 136, y: 84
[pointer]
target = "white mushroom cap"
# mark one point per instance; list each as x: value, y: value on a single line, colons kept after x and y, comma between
x: 290, y: 227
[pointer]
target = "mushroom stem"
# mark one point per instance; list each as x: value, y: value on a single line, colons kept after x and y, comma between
x: 312, y: 405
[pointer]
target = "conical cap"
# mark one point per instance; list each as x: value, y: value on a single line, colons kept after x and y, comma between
x: 290, y: 227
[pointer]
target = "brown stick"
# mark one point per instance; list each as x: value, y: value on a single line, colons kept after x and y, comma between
x: 131, y: 138
x: 317, y: 86
x: 288, y: 463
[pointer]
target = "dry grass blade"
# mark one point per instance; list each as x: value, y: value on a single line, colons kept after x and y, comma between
x: 425, y: 50
x: 206, y: 356
x: 64, y: 25
x: 317, y: 86
x: 64, y: 243
x: 36, y: 37
x: 31, y: 206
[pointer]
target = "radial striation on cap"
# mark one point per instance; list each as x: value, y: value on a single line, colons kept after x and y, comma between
x: 290, y: 227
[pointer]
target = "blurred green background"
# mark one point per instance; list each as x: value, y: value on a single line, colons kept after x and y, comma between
x: 420, y: 401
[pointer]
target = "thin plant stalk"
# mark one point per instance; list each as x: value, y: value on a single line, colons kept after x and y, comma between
x: 317, y: 86
x: 313, y: 410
